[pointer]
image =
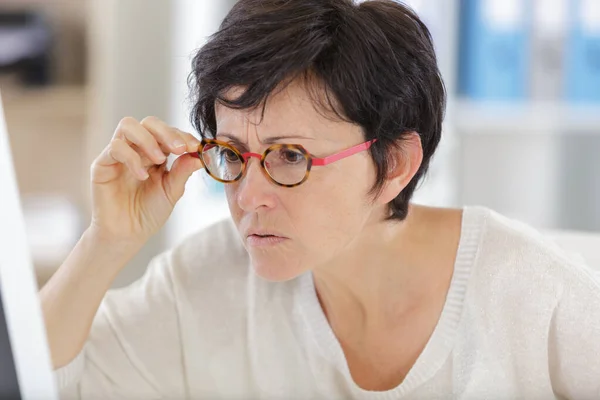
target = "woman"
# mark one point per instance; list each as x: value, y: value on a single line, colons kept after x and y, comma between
x: 322, y: 117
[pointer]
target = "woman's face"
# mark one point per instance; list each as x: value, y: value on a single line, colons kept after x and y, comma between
x: 312, y: 223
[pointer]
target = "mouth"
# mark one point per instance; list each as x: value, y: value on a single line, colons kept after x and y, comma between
x: 264, y: 239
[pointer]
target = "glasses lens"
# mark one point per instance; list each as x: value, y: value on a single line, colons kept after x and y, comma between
x: 222, y: 162
x: 286, y: 166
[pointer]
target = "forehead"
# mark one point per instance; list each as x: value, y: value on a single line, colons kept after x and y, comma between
x: 291, y: 107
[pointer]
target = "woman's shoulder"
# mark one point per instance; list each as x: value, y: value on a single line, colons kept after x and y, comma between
x: 518, y: 253
x: 534, y: 303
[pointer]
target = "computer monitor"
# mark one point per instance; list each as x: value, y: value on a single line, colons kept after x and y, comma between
x: 25, y: 367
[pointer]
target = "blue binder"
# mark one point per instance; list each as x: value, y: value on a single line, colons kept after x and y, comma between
x: 583, y: 55
x: 494, y: 55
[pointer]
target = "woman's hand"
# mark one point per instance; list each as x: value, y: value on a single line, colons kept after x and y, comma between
x: 133, y: 193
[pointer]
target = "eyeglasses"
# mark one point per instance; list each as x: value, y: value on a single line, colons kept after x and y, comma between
x: 286, y: 165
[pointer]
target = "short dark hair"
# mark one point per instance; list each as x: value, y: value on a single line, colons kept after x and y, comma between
x: 374, y: 61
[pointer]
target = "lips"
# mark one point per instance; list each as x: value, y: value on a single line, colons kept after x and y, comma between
x: 262, y: 238
x: 264, y: 233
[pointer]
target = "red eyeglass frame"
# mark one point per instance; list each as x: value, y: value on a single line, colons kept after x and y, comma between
x: 311, y: 161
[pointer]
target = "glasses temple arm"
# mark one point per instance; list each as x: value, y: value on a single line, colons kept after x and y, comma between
x: 343, y: 154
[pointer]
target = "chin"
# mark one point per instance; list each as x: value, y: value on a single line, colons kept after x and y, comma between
x: 275, y: 270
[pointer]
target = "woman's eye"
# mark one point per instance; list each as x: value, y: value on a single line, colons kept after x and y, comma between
x: 291, y: 157
x: 229, y: 155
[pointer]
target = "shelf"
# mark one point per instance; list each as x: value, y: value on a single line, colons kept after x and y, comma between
x: 537, y: 117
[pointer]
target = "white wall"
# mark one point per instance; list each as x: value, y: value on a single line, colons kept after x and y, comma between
x: 441, y: 185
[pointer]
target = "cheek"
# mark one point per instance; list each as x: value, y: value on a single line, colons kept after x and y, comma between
x: 331, y: 207
x: 231, y: 196
x: 230, y: 193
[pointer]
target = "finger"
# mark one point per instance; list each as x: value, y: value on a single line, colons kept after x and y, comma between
x: 119, y: 152
x: 183, y: 167
x: 193, y: 144
x: 147, y: 162
x: 176, y: 140
x: 134, y: 132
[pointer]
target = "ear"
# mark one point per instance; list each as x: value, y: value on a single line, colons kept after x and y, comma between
x: 404, y: 163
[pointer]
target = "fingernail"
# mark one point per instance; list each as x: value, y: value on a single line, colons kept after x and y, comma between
x: 177, y: 143
x: 159, y: 154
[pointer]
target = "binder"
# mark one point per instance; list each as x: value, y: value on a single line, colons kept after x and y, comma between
x: 583, y: 54
x: 549, y: 34
x: 494, y: 49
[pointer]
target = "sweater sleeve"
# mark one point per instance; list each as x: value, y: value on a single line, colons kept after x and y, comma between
x: 135, y: 334
x: 574, y: 340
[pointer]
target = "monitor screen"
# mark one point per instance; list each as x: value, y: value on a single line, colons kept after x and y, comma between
x: 9, y: 385
x: 25, y: 365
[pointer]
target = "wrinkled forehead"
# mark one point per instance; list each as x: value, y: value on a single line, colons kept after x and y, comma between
x: 295, y: 107
x: 289, y: 102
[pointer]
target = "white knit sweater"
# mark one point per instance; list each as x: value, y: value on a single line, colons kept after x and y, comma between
x: 521, y: 321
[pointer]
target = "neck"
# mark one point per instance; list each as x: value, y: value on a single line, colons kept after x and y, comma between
x: 385, y: 276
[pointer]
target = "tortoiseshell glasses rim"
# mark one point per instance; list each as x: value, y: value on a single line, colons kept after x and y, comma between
x: 310, y: 160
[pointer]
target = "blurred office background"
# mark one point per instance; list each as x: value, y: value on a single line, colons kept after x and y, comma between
x: 522, y: 133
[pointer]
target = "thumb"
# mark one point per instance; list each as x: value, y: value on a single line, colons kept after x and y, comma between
x: 181, y: 170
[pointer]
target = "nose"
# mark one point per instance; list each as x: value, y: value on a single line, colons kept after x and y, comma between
x: 255, y: 191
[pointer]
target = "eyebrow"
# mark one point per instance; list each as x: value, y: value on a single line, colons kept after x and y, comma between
x: 269, y: 140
